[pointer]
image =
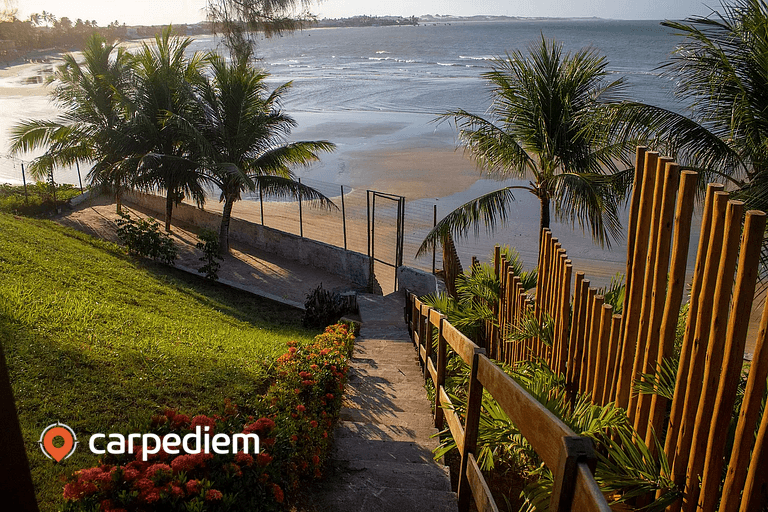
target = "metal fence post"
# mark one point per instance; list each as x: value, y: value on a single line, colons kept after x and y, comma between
x: 434, y: 246
x: 301, y: 218
x: 24, y: 181
x: 79, y: 178
x: 261, y: 202
x: 343, y: 218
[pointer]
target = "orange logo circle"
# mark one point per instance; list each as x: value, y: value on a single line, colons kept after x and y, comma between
x: 51, y: 432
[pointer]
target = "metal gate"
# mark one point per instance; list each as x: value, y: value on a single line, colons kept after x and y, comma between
x: 386, y: 216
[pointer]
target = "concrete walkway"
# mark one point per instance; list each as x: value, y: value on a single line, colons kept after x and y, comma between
x: 383, y: 455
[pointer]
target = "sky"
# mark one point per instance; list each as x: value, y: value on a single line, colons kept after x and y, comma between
x: 158, y: 12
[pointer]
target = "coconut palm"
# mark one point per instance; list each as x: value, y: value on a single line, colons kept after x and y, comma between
x: 241, y: 140
x: 92, y: 128
x: 544, y: 125
x: 165, y: 82
x: 720, y: 68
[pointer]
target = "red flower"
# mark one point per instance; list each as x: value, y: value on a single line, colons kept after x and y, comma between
x: 149, y: 496
x: 313, y: 424
x: 193, y: 487
x: 263, y: 459
x: 261, y: 426
x: 144, y: 484
x: 301, y: 408
x: 202, y: 421
x: 180, y: 420
x: 177, y: 491
x: 244, y: 458
x: 155, y: 468
x: 278, y: 493
x: 316, y: 460
x: 213, y: 495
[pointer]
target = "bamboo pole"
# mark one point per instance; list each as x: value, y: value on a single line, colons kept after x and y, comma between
x: 676, y: 288
x: 594, y: 337
x: 744, y: 292
x: 748, y: 417
x: 562, y: 328
x: 634, y: 212
x: 570, y: 363
x: 646, y: 303
x: 587, y: 337
x: 610, y: 370
x: 633, y: 307
x: 543, y: 272
x: 703, y: 322
x: 756, y: 487
x: 510, y: 294
x: 601, y: 360
x: 678, y: 401
x: 648, y: 359
x: 714, y: 355
x: 580, y: 323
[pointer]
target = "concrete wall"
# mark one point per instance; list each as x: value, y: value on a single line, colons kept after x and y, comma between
x: 348, y: 264
x: 418, y: 281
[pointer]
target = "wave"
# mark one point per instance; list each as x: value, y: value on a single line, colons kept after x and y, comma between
x: 381, y: 51
x: 484, y: 57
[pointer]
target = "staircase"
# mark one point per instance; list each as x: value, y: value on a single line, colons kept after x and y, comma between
x: 383, y: 455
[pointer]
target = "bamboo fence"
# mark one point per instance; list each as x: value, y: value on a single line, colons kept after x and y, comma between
x: 604, y: 354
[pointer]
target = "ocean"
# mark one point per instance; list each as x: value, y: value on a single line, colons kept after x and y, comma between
x: 375, y: 92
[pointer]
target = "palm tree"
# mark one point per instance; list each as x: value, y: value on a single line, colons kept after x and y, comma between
x: 92, y: 128
x: 165, y: 81
x: 241, y: 141
x: 720, y: 68
x: 544, y: 125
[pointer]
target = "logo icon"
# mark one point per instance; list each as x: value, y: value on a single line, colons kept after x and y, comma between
x: 51, y: 432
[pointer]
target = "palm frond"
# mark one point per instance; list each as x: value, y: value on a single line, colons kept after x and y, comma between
x: 488, y: 209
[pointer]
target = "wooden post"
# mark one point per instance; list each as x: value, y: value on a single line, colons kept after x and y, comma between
x: 344, y: 228
x: 471, y: 424
x: 441, y: 359
x: 676, y: 288
x: 700, y: 341
x: 565, y: 299
x: 594, y: 340
x: 714, y: 354
x: 748, y: 417
x: 589, y: 323
x: 573, y: 450
x: 571, y: 361
x: 613, y: 354
x: 756, y: 487
x: 634, y: 212
x: 601, y: 357
x: 647, y: 360
x: 744, y: 291
x: 633, y: 306
x: 676, y: 414
x: 580, y: 323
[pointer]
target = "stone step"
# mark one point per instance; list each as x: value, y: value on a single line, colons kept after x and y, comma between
x: 376, y: 369
x: 389, y: 500
x: 376, y: 404
x: 405, y: 452
x: 387, y: 392
x: 402, y: 419
x: 382, y: 432
x: 367, y: 474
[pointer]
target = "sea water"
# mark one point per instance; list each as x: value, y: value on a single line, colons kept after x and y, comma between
x: 381, y: 88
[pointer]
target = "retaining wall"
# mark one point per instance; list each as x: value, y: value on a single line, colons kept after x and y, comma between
x: 348, y: 264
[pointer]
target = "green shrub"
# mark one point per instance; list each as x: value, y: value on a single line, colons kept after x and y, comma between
x: 144, y: 238
x: 324, y: 307
x: 209, y: 244
x: 38, y: 199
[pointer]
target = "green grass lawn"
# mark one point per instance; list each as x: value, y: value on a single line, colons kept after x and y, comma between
x: 100, y: 341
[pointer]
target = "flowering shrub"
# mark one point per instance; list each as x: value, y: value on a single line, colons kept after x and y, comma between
x: 295, y: 420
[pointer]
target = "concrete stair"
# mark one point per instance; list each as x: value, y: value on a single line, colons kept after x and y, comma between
x: 382, y: 459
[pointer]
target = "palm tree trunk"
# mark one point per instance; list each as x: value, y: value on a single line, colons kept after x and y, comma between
x: 544, y: 216
x: 226, y: 215
x: 168, y: 210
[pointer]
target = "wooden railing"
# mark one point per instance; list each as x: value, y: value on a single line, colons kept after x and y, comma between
x: 604, y: 354
x: 570, y: 457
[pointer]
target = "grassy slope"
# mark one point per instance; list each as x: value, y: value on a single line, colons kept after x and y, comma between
x: 99, y: 341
